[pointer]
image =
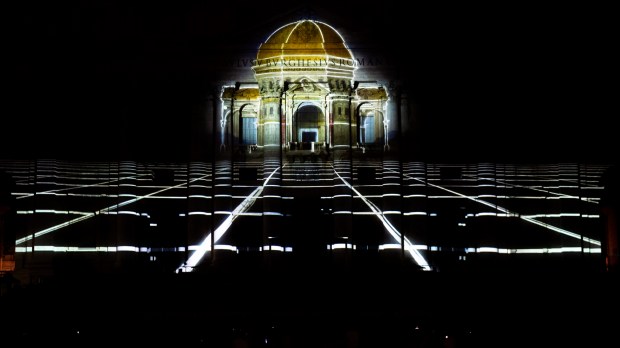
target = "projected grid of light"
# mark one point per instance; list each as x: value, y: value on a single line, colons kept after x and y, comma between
x: 59, y: 200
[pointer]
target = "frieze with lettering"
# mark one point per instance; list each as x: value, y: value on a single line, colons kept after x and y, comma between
x: 310, y: 62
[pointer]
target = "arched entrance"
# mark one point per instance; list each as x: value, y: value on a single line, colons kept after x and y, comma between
x: 308, y: 126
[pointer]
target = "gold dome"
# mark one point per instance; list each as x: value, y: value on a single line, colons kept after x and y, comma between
x: 305, y: 39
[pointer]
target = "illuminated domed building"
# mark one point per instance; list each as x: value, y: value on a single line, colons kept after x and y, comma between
x: 305, y: 96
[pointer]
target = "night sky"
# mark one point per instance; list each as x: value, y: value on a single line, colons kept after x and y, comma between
x: 128, y: 80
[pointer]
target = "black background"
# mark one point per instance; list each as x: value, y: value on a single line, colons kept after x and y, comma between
x: 129, y: 80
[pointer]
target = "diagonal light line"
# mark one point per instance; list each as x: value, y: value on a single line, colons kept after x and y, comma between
x: 419, y: 259
x: 82, y: 186
x: 206, y: 245
x: 560, y: 230
x: 540, y: 190
x: 101, y: 211
x: 511, y: 213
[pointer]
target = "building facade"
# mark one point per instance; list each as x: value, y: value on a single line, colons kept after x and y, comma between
x: 305, y: 97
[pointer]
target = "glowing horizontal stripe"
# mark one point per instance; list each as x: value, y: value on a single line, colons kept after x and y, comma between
x: 226, y: 247
x: 77, y: 249
x: 199, y: 213
x: 222, y: 196
x: 491, y: 214
x: 53, y: 211
x: 521, y: 197
x: 314, y: 179
x: 272, y: 248
x: 200, y: 186
x: 251, y: 214
x: 551, y: 215
x: 45, y: 211
x: 389, y: 246
x: 341, y: 246
x: 591, y: 200
x: 534, y: 250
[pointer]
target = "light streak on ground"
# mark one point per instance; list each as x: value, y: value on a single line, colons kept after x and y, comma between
x: 206, y: 245
x: 81, y: 186
x: 101, y: 211
x: 504, y: 210
x: 422, y: 175
x: 533, y: 250
x: 419, y: 259
x: 561, y: 195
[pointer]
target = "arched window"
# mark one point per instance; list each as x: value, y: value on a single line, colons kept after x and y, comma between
x: 368, y: 129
